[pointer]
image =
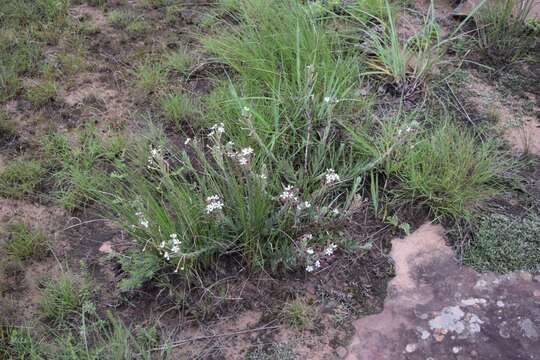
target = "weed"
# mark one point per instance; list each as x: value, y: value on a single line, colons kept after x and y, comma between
x: 179, y: 61
x: 139, y: 27
x: 502, y: 29
x: 504, y: 244
x: 173, y: 13
x: 62, y: 298
x: 24, y: 242
x: 139, y: 267
x: 8, y: 132
x: 21, y: 178
x: 228, y: 6
x: 149, y: 77
x: 42, y: 93
x: 17, y: 343
x: 120, y: 18
x: 76, y: 169
x: 449, y: 171
x: 298, y: 314
x: 179, y: 107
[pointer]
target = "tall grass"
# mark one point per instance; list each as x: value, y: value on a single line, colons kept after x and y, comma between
x: 502, y: 29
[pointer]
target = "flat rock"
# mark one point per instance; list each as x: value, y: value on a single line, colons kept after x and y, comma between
x: 437, y: 309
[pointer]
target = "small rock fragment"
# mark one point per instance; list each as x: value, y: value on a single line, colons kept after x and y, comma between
x: 410, y: 348
x: 529, y: 329
x: 500, y: 303
x: 456, y: 349
x: 342, y: 352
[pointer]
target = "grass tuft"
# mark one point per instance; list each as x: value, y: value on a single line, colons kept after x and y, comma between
x: 25, y: 242
x: 62, y: 298
x: 21, y: 178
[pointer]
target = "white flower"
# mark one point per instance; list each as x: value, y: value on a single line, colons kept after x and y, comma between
x: 307, y: 237
x: 335, y: 211
x: 175, y: 249
x: 304, y: 205
x: 213, y: 203
x: 142, y: 220
x: 167, y: 256
x: 162, y: 245
x: 309, y: 268
x: 288, y: 194
x: 188, y: 140
x: 244, y: 155
x: 317, y: 264
x: 310, y: 251
x: 331, y: 177
x: 330, y: 249
x: 217, y: 129
x: 245, y: 109
x: 327, y: 99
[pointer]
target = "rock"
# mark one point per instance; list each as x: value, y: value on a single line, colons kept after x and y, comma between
x: 342, y: 352
x: 410, y: 348
x: 449, y: 319
x: 456, y: 349
x: 106, y: 248
x: 473, y: 301
x: 528, y: 328
x: 525, y: 276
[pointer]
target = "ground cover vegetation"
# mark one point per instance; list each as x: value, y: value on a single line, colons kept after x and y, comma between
x: 260, y: 146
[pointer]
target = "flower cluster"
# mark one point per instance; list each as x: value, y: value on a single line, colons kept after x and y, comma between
x: 314, y: 257
x: 243, y: 157
x: 331, y: 177
x: 303, y: 205
x: 142, y: 220
x: 172, y: 246
x: 213, y: 203
x: 288, y: 194
x: 413, y: 126
x: 155, y: 156
x: 217, y: 129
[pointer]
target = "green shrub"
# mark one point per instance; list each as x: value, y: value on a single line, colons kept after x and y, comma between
x: 504, y: 244
x: 21, y: 178
x: 24, y: 242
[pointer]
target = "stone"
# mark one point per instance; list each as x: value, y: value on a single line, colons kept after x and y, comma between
x: 342, y: 352
x: 410, y: 348
x: 449, y: 319
x: 435, y: 306
x: 528, y: 328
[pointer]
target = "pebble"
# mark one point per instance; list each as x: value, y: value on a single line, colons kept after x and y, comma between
x: 456, y: 349
x: 410, y: 348
x: 342, y: 352
x: 500, y: 303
